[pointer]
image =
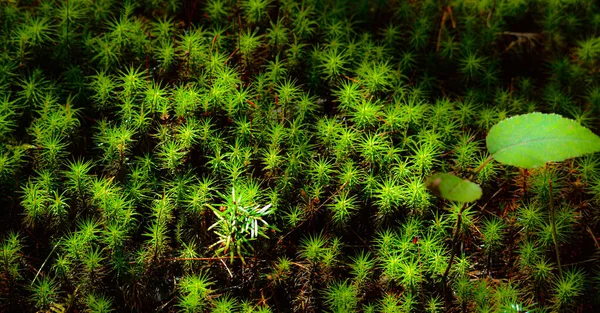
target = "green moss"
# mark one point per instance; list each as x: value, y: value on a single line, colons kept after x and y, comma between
x: 124, y: 128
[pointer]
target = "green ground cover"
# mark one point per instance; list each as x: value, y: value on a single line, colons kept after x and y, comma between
x: 277, y: 156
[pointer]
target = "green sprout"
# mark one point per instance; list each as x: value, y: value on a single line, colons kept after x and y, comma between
x: 239, y: 223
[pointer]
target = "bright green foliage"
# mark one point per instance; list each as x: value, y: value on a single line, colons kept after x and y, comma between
x: 342, y: 207
x: 488, y: 170
x: 588, y: 50
x: 388, y: 196
x: 493, y: 233
x: 44, y: 293
x: 237, y: 223
x: 77, y: 176
x: 35, y: 201
x: 316, y: 126
x: 313, y: 247
x: 341, y: 297
x: 362, y: 266
x: 195, y: 291
x: 7, y: 115
x: 467, y: 215
x: 255, y: 10
x: 531, y: 216
x: 434, y: 305
x: 225, y: 304
x: 531, y: 140
x: 99, y: 304
x: 170, y: 155
x: 9, y: 257
x: 389, y: 303
x: 249, y: 42
x: 333, y: 62
x: 567, y: 288
x: 116, y: 142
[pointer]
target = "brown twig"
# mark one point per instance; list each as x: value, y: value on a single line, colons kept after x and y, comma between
x: 529, y: 38
x: 452, y: 21
x: 230, y: 56
x: 212, y: 44
x: 352, y: 79
x: 383, y: 120
x: 439, y: 38
x: 587, y: 228
x: 442, y: 23
x: 227, y: 268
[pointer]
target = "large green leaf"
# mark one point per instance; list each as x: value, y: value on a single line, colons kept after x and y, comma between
x: 453, y: 188
x: 531, y: 140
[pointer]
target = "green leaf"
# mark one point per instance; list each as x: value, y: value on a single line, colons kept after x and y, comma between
x: 531, y: 140
x: 453, y: 188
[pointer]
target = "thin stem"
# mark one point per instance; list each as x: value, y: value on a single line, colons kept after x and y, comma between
x: 43, y: 264
x: 553, y: 224
x: 453, y: 250
x: 454, y: 241
x: 481, y: 166
x: 439, y: 38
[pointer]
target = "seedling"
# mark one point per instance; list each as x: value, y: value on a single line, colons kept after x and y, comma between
x: 239, y: 222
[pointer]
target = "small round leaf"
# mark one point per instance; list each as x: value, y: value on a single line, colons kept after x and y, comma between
x: 453, y: 188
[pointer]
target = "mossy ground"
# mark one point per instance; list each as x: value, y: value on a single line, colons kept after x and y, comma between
x: 133, y: 135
